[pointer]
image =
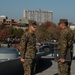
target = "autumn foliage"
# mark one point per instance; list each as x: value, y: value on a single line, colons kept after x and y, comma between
x: 4, y: 34
x: 47, y: 31
x: 11, y: 32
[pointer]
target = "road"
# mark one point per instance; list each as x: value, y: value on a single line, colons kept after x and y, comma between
x: 47, y: 66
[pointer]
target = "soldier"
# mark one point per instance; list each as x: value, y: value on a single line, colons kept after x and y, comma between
x: 28, y: 50
x: 66, y: 43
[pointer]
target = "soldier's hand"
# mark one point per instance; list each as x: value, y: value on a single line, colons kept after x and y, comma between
x: 39, y: 44
x: 22, y: 60
x: 62, y: 60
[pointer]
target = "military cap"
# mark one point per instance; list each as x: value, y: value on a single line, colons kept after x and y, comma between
x: 34, y: 25
x: 63, y: 21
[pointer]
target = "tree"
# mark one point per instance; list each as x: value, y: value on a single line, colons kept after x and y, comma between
x: 4, y: 34
x: 11, y: 30
x: 2, y: 27
x: 47, y: 31
x: 32, y: 22
x: 48, y: 24
x: 16, y: 32
x: 19, y: 32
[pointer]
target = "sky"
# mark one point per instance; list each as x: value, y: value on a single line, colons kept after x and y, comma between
x: 13, y: 9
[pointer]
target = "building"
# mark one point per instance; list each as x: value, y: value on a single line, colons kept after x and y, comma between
x: 11, y: 22
x: 72, y: 26
x: 39, y: 16
x: 2, y: 19
x: 23, y: 24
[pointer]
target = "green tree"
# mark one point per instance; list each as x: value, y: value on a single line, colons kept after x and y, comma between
x: 19, y: 32
x: 16, y: 32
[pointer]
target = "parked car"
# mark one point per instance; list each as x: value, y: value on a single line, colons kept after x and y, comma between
x: 10, y: 63
x: 11, y: 67
x: 48, y: 47
x: 8, y: 54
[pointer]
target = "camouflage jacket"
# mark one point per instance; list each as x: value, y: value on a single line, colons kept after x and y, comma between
x: 28, y: 46
x: 66, y: 41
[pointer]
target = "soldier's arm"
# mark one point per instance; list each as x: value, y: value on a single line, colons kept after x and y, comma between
x: 22, y: 45
x: 63, y: 44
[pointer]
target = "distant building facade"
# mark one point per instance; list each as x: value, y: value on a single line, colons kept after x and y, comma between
x: 72, y: 26
x: 39, y: 16
x: 2, y: 19
x: 11, y: 22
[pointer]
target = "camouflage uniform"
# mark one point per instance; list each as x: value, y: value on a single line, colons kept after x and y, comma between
x: 66, y: 42
x: 28, y: 51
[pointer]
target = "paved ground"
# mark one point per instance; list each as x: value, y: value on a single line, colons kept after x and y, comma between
x: 47, y: 66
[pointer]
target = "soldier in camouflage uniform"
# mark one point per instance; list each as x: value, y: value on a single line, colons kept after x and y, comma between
x: 66, y: 43
x: 28, y: 50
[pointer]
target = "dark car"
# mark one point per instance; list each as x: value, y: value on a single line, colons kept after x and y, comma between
x: 10, y: 63
x: 48, y: 47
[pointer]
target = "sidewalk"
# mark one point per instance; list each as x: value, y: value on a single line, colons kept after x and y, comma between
x: 48, y: 66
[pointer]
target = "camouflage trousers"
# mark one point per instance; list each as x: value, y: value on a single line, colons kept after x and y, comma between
x: 29, y: 65
x: 64, y: 68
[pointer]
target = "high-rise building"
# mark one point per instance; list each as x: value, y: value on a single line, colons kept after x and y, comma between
x: 39, y: 16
